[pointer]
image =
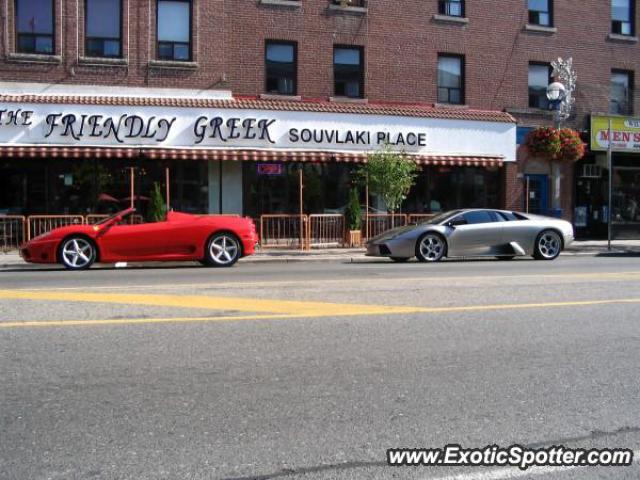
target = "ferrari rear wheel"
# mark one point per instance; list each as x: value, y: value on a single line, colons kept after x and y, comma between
x: 223, y: 250
x: 431, y: 247
x: 77, y: 253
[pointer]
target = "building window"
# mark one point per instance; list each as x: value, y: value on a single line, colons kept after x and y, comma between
x: 539, y: 80
x: 453, y: 8
x: 450, y: 79
x: 34, y: 26
x: 540, y: 12
x: 348, y: 72
x: 174, y: 30
x: 621, y: 100
x: 350, y: 3
x: 103, y: 20
x: 622, y: 13
x: 280, y: 60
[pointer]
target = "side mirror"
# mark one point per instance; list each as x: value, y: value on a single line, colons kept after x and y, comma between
x: 457, y: 222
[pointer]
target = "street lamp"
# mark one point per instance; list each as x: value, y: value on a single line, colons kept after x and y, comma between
x: 556, y: 94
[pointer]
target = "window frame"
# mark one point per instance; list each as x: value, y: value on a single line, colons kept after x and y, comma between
x: 549, y: 12
x: 488, y: 213
x: 630, y: 90
x: 442, y: 8
x: 158, y: 41
x: 632, y: 20
x: 35, y: 35
x: 292, y: 43
x: 463, y: 80
x: 87, y: 38
x: 360, y: 49
x: 549, y: 81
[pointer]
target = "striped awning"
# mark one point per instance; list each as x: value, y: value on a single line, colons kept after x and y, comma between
x: 234, y: 155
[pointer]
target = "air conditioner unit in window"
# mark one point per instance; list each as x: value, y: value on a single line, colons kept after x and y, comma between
x: 591, y: 171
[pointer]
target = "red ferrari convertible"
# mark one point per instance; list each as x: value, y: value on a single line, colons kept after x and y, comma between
x: 216, y: 241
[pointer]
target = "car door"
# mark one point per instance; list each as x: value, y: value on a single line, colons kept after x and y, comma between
x: 477, y: 233
x: 134, y: 242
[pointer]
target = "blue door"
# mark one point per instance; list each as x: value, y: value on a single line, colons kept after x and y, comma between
x: 538, y: 192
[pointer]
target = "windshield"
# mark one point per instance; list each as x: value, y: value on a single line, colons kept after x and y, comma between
x: 441, y: 217
x: 124, y: 213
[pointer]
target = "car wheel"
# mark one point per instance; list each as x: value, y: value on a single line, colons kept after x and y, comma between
x: 223, y: 250
x: 506, y: 257
x: 77, y: 253
x: 431, y: 247
x: 548, y: 245
x: 399, y: 259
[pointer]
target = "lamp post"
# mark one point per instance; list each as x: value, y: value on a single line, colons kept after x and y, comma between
x: 560, y: 96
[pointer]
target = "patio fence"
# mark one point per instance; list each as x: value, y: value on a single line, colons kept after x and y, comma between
x: 276, y: 230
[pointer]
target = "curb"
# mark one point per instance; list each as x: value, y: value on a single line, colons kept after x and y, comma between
x: 316, y: 258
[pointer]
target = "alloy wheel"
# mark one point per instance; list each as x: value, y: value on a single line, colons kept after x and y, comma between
x: 77, y: 253
x: 549, y: 245
x: 223, y: 250
x: 431, y: 248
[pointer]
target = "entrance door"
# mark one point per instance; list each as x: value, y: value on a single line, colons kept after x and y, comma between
x: 538, y: 193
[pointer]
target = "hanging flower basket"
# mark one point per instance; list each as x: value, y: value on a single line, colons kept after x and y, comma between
x: 563, y: 145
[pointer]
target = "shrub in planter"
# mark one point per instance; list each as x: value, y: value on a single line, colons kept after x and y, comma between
x: 353, y: 219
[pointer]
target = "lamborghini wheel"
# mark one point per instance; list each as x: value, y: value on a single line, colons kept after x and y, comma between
x: 548, y: 245
x: 431, y: 247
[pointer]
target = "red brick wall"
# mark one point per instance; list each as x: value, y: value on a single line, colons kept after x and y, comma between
x: 401, y: 42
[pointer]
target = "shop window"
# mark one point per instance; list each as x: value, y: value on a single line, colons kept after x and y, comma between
x: 452, y: 8
x: 541, y: 12
x: 451, y: 79
x: 280, y: 67
x: 174, y: 30
x: 622, y: 14
x: 621, y: 90
x: 35, y: 26
x: 103, y: 20
x: 348, y: 72
x: 539, y: 80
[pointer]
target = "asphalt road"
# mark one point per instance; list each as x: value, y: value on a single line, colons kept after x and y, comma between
x: 314, y: 370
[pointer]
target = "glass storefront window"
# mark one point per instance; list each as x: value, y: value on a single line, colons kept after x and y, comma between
x: 47, y: 186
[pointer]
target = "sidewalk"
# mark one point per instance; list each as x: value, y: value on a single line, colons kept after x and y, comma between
x: 12, y: 260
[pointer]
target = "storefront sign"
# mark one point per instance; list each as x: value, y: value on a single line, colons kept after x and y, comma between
x: 270, y: 169
x: 192, y: 128
x: 625, y: 133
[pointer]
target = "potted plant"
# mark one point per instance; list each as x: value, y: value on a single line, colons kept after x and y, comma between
x: 353, y: 219
x: 157, y: 207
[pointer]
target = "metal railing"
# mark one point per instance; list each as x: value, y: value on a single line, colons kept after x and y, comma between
x: 13, y: 232
x: 283, y: 230
x: 39, y: 224
x: 94, y: 218
x: 414, y: 218
x: 377, y: 223
x: 325, y: 230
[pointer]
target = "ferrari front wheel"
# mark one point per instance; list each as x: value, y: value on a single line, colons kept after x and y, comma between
x: 223, y: 250
x: 77, y: 253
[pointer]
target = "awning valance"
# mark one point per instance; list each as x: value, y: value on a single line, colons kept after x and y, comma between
x: 234, y: 155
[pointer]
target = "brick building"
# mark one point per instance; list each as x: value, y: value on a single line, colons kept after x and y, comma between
x: 460, y: 73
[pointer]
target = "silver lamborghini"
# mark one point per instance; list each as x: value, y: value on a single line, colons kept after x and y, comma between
x: 475, y: 233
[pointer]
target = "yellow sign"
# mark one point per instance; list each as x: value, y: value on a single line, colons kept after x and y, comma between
x: 625, y: 133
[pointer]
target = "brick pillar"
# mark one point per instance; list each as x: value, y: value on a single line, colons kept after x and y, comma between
x: 512, y: 189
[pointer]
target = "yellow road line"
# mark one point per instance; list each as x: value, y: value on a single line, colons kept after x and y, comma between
x: 211, y: 303
x: 602, y: 276
x: 429, y: 310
